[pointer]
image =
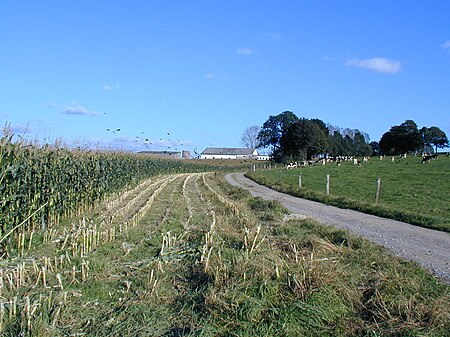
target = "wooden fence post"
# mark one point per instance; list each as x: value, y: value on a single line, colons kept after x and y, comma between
x: 377, y: 196
x: 328, y: 184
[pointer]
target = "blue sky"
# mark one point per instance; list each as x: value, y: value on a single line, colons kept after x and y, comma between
x: 192, y: 74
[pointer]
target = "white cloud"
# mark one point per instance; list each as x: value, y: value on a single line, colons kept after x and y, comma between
x: 210, y: 76
x: 245, y: 51
x: 377, y: 64
x: 446, y: 45
x: 51, y: 105
x: 79, y: 110
x: 111, y: 87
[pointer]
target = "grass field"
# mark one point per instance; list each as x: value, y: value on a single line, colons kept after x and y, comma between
x: 189, y: 255
x: 410, y: 191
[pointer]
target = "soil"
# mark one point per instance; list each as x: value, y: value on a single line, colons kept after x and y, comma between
x: 429, y: 248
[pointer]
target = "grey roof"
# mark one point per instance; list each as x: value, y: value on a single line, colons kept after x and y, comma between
x: 228, y: 151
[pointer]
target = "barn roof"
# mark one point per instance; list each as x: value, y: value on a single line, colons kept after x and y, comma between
x: 228, y: 151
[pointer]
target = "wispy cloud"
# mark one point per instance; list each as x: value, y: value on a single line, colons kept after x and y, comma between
x: 125, y: 140
x: 273, y: 36
x: 50, y: 105
x: 276, y: 36
x: 216, y: 76
x: 111, y: 87
x: 245, y: 51
x: 446, y: 45
x: 328, y: 57
x: 377, y: 64
x: 4, y: 115
x: 20, y: 128
x: 74, y: 109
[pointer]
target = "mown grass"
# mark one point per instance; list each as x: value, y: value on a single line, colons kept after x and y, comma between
x: 410, y: 191
x: 235, y: 266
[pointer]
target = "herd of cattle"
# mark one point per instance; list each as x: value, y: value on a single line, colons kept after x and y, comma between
x: 426, y: 158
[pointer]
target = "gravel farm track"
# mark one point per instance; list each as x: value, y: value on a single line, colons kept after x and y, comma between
x: 429, y: 248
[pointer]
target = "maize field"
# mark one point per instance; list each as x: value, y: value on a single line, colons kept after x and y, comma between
x: 41, y: 185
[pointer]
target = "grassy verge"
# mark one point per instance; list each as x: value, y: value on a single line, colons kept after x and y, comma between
x: 410, y: 191
x: 206, y: 259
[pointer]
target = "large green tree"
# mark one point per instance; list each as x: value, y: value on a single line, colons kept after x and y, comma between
x: 274, y: 128
x: 347, y: 142
x: 304, y: 139
x: 337, y: 144
x: 403, y: 138
x: 434, y: 136
x: 361, y: 148
x: 375, y: 146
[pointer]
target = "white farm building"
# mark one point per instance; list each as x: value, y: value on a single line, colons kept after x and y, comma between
x: 229, y: 153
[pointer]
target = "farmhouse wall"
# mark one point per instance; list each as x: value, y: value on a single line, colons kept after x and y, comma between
x: 229, y: 153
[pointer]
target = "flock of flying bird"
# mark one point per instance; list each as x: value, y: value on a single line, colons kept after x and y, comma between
x: 147, y: 141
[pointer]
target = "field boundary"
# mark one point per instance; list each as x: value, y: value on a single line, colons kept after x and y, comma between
x: 344, y: 202
x: 428, y: 247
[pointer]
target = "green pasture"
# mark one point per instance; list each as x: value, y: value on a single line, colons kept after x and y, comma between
x: 409, y: 191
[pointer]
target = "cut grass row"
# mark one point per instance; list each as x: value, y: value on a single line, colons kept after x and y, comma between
x: 410, y: 191
x: 206, y: 259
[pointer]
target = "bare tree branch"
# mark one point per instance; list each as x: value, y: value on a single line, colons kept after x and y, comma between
x: 249, y: 137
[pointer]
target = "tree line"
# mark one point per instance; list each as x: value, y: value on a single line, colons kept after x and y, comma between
x: 290, y: 138
x: 407, y: 138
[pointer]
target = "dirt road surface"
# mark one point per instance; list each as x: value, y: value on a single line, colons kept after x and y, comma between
x: 429, y: 248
